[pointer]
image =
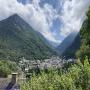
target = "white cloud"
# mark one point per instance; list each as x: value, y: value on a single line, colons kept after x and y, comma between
x: 73, y: 15
x: 41, y: 19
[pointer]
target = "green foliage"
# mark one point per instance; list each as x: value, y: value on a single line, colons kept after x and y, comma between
x: 84, y: 50
x: 6, y: 67
x: 76, y: 78
x: 85, y: 38
x: 69, y: 46
x: 73, y: 48
x: 18, y: 39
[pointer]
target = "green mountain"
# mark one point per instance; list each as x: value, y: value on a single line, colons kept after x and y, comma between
x: 18, y: 39
x: 73, y: 48
x: 69, y: 46
x: 85, y: 38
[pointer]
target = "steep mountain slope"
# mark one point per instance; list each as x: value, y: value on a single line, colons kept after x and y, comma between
x: 69, y: 45
x: 18, y: 39
x: 85, y: 38
x: 72, y: 49
x: 66, y: 43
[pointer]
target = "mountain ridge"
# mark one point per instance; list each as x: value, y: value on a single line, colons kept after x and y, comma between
x: 66, y: 42
x: 70, y: 51
x: 16, y: 36
x: 68, y: 47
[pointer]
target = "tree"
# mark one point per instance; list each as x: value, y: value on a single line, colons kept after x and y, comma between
x: 85, y: 39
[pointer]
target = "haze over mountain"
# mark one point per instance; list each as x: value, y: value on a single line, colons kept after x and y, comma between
x: 55, y: 19
x: 85, y: 39
x: 66, y: 42
x: 69, y: 46
x: 18, y: 39
x: 70, y: 51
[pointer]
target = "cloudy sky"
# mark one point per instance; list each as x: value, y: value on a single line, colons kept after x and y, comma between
x: 55, y: 19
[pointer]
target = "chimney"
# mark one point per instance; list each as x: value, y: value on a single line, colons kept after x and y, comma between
x: 14, y: 78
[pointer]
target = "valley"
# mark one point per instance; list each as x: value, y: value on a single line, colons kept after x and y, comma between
x: 40, y: 50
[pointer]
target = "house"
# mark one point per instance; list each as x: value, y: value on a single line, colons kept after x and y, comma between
x: 9, y: 84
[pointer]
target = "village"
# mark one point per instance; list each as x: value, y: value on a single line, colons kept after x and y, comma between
x: 26, y: 69
x: 52, y: 63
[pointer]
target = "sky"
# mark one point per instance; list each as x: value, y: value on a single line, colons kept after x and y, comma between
x: 55, y: 19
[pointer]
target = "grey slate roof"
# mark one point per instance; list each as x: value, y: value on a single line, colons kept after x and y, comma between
x: 5, y: 84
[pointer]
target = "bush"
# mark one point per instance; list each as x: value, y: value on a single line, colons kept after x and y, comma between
x: 6, y: 67
x: 76, y: 78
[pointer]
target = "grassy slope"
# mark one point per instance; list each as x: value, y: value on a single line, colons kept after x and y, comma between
x: 18, y: 39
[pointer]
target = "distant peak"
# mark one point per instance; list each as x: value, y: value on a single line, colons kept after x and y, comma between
x: 15, y: 19
x: 15, y: 16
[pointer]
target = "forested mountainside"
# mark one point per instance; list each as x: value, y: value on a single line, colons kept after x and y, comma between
x: 18, y: 39
x: 83, y: 41
x: 73, y: 48
x: 85, y: 38
x: 69, y: 45
x: 66, y: 43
